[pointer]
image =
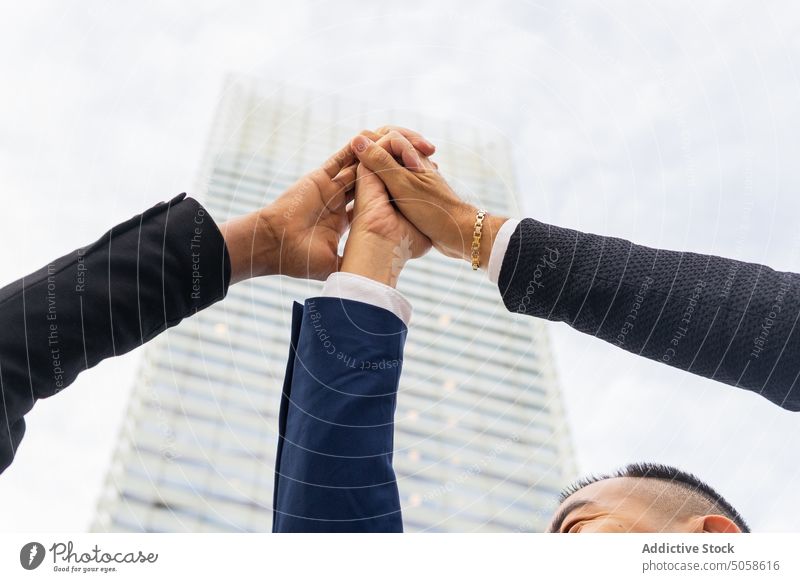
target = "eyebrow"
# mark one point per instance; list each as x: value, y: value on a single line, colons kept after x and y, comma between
x: 564, y: 512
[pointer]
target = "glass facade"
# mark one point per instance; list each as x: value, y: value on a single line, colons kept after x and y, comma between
x: 481, y: 441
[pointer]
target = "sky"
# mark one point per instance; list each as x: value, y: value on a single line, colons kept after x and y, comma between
x: 670, y: 123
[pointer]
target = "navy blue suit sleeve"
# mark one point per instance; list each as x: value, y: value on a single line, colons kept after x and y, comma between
x: 103, y: 300
x: 723, y: 319
x: 333, y: 470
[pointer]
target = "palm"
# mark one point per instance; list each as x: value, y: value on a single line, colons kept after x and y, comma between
x: 312, y: 219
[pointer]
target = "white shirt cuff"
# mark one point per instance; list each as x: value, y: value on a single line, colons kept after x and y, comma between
x: 500, y: 247
x: 358, y: 288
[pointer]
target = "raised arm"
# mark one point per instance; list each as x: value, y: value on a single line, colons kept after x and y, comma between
x: 104, y: 299
x: 719, y: 318
x: 722, y: 319
x: 150, y: 272
x: 333, y: 470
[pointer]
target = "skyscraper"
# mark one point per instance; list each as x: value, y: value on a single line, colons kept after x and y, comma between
x: 481, y: 442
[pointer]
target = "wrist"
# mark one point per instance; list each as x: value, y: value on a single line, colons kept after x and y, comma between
x: 491, y: 224
x: 374, y: 258
x: 456, y: 243
x: 252, y: 247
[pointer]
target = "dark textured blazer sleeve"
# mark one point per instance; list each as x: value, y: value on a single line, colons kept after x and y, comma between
x: 727, y: 320
x: 333, y: 468
x: 103, y: 300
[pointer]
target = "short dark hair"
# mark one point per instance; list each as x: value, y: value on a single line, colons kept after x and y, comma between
x: 686, y: 481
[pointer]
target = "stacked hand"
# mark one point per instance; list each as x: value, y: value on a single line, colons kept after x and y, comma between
x: 381, y: 239
x: 423, y: 195
x: 400, y: 205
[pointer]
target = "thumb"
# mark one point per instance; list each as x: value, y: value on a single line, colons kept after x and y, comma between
x: 370, y: 192
x: 369, y: 188
x: 377, y: 160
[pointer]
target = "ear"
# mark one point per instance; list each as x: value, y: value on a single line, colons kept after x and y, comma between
x: 719, y: 524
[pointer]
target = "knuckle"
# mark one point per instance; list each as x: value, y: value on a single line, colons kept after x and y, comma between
x: 370, y: 134
x: 376, y: 154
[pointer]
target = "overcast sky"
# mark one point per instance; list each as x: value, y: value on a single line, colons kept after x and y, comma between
x: 672, y: 123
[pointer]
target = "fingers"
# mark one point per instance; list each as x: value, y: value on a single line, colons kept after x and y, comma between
x: 401, y: 148
x: 345, y: 178
x: 400, y: 136
x: 423, y: 145
x: 343, y: 183
x: 369, y: 183
x: 370, y: 191
x: 396, y: 143
x: 377, y: 160
x: 407, y: 145
x: 338, y: 161
x: 373, y: 135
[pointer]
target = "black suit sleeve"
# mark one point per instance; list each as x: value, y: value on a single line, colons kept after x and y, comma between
x: 103, y: 300
x: 727, y: 320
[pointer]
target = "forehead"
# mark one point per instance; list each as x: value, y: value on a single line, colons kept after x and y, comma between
x: 611, y: 493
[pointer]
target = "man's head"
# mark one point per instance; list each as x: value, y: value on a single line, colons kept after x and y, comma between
x: 645, y: 497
